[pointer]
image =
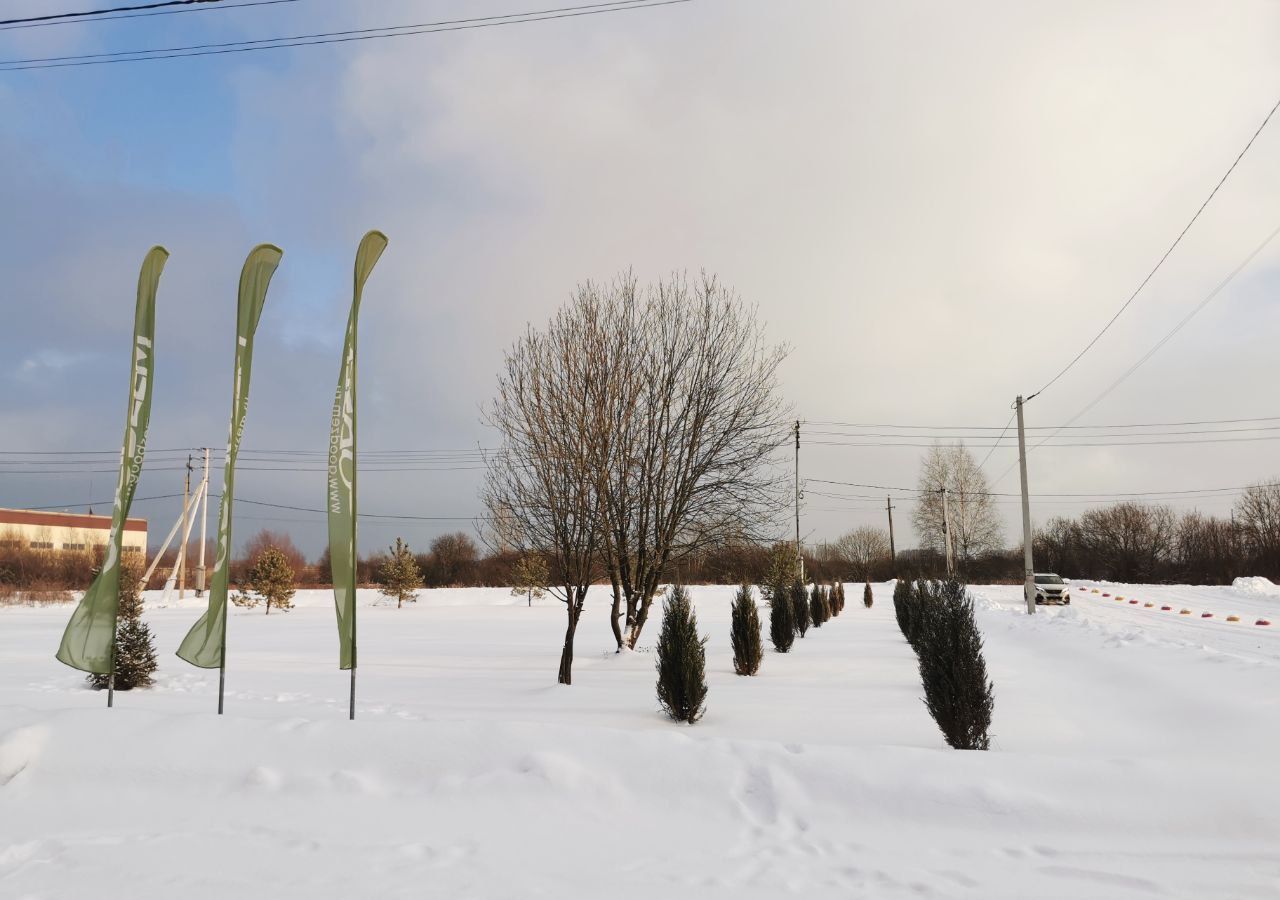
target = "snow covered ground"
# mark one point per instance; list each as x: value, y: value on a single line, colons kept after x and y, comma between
x: 1135, y: 755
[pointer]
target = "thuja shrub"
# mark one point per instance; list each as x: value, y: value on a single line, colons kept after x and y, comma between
x: 867, y: 597
x: 744, y: 618
x: 957, y: 691
x: 840, y: 590
x: 682, y: 659
x: 782, y: 614
x: 815, y: 606
x: 906, y: 608
x: 800, y: 603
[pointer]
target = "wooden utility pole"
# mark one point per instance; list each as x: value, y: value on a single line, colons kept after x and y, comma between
x: 204, y: 517
x: 799, y: 555
x: 946, y: 533
x: 182, y: 551
x: 893, y: 555
x: 1028, y: 565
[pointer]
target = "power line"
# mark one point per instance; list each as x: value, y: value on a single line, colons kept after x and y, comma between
x: 103, y: 12
x: 1160, y: 262
x: 332, y: 37
x: 1050, y: 427
x: 1044, y: 443
x: 222, y: 5
x: 1091, y: 494
x: 999, y: 437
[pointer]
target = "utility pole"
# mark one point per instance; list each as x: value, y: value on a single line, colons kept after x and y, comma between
x: 946, y: 533
x: 182, y: 551
x: 893, y: 556
x: 204, y: 518
x: 799, y: 555
x: 1029, y: 579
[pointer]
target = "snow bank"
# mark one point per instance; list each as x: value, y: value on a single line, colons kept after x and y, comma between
x: 1256, y: 584
x: 1130, y: 758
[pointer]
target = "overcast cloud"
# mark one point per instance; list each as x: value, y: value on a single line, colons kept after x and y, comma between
x: 936, y: 205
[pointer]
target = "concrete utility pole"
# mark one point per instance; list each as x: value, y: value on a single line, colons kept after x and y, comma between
x: 893, y: 556
x: 1029, y: 582
x: 182, y: 551
x: 946, y: 533
x: 799, y: 555
x: 204, y: 518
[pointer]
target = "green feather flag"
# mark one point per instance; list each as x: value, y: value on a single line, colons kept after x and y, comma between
x: 89, y: 641
x: 341, y: 498
x: 206, y: 644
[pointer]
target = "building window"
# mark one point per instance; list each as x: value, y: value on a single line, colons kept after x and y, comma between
x: 10, y: 543
x: 132, y: 549
x: 42, y: 545
x: 73, y: 546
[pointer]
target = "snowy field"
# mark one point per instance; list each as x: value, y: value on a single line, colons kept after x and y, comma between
x: 1136, y: 753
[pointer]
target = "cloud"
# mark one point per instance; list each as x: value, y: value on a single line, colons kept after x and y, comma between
x: 935, y: 205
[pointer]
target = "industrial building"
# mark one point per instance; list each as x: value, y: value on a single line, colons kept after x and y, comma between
x: 66, y: 532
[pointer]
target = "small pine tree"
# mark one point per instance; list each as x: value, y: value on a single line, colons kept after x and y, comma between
x: 867, y: 598
x: 800, y: 603
x: 841, y: 586
x: 399, y: 574
x: 135, y: 650
x: 682, y: 659
x: 745, y: 632
x: 834, y: 600
x: 530, y: 577
x: 272, y: 579
x: 827, y: 612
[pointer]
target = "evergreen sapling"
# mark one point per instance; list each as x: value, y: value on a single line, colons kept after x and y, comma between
x: 682, y: 659
x: 745, y: 624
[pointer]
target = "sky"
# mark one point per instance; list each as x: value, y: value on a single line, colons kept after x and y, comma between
x: 934, y: 205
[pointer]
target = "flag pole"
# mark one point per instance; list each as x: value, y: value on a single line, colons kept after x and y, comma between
x: 355, y: 474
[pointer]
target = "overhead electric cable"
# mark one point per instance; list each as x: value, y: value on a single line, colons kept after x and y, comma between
x: 104, y: 17
x: 332, y: 37
x: 1160, y: 262
x: 103, y: 12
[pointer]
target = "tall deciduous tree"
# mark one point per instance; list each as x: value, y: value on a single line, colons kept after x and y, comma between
x: 975, y: 524
x: 861, y: 549
x: 542, y: 484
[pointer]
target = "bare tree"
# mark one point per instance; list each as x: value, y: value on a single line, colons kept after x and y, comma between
x: 1129, y: 541
x: 1257, y: 514
x: 975, y: 526
x: 542, y: 483
x: 686, y: 387
x: 860, y: 550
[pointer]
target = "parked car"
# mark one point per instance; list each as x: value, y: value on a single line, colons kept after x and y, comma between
x: 1052, y: 588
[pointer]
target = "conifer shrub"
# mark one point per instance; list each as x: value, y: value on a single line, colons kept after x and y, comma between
x: 745, y: 632
x: 815, y: 606
x: 399, y: 575
x: 957, y: 691
x: 782, y: 616
x: 271, y: 578
x: 905, y: 608
x: 682, y: 659
x: 135, y: 650
x: 867, y: 597
x: 840, y: 590
x: 800, y: 604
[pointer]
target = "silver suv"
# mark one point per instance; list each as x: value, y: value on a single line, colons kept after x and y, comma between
x: 1051, y: 589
